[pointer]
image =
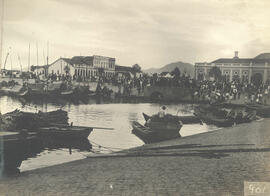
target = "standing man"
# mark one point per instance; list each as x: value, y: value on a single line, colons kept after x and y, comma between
x: 162, y: 112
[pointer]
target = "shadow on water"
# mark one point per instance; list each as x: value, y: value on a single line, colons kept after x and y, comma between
x: 15, y: 151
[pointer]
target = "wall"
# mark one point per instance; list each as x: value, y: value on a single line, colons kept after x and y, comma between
x: 246, y: 70
x: 104, y: 62
x: 39, y: 71
x: 58, y: 67
x: 169, y: 93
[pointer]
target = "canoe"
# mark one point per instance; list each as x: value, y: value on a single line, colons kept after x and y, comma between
x: 210, y: 118
x: 184, y: 119
x: 262, y: 110
x: 65, y: 132
x: 221, y: 118
x: 148, y: 135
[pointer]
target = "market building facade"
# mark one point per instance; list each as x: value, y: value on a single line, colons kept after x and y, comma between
x: 243, y: 68
x: 80, y: 66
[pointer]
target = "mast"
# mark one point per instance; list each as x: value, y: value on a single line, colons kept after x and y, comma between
x: 37, y: 52
x: 6, y: 61
x: 20, y: 63
x: 29, y: 58
x: 46, y: 70
x: 47, y: 53
x: 44, y: 63
x: 1, y: 32
x: 10, y: 66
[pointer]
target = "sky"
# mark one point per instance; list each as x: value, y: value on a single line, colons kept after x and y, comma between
x: 151, y: 33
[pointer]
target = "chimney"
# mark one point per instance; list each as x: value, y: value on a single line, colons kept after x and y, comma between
x: 236, y: 54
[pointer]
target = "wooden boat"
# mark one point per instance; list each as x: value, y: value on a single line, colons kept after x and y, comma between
x: 67, y: 93
x: 18, y: 120
x: 157, y: 129
x: 222, y: 118
x: 211, y: 118
x: 23, y: 93
x: 92, y: 94
x: 15, y: 91
x: 262, y: 110
x: 183, y: 119
x: 65, y: 132
x: 149, y: 135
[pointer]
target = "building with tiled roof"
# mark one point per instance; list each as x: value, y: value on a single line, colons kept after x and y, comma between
x: 83, y: 66
x: 242, y: 68
x: 127, y: 70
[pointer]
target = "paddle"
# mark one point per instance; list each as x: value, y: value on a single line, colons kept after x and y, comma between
x: 66, y: 125
x: 107, y: 128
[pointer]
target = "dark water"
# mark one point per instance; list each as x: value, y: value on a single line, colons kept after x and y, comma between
x: 112, y: 115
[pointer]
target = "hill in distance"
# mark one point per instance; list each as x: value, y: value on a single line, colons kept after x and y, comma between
x: 183, y: 67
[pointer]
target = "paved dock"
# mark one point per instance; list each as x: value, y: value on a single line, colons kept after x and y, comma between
x: 213, y: 163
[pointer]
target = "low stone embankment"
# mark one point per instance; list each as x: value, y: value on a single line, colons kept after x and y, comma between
x: 213, y: 163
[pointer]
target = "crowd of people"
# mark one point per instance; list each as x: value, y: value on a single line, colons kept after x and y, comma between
x: 232, y: 90
x: 210, y: 90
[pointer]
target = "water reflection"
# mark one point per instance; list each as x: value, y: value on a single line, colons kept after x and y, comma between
x: 16, y: 150
x: 89, y: 113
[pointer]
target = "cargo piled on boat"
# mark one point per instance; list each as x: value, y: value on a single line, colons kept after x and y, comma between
x: 157, y: 129
x: 45, y: 124
x: 18, y: 120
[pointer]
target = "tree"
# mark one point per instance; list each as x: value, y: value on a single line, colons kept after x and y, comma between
x: 176, y: 72
x: 136, y: 68
x: 215, y: 72
x: 66, y: 69
x: 32, y: 68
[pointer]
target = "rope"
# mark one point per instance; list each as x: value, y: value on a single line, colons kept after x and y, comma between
x: 106, y: 147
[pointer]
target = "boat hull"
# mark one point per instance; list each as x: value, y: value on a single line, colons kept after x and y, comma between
x: 148, y: 135
x: 183, y: 119
x: 212, y: 115
x: 262, y: 110
x: 65, y: 132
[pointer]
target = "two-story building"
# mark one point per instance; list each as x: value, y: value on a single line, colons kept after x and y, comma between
x: 243, y: 68
x: 83, y: 66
